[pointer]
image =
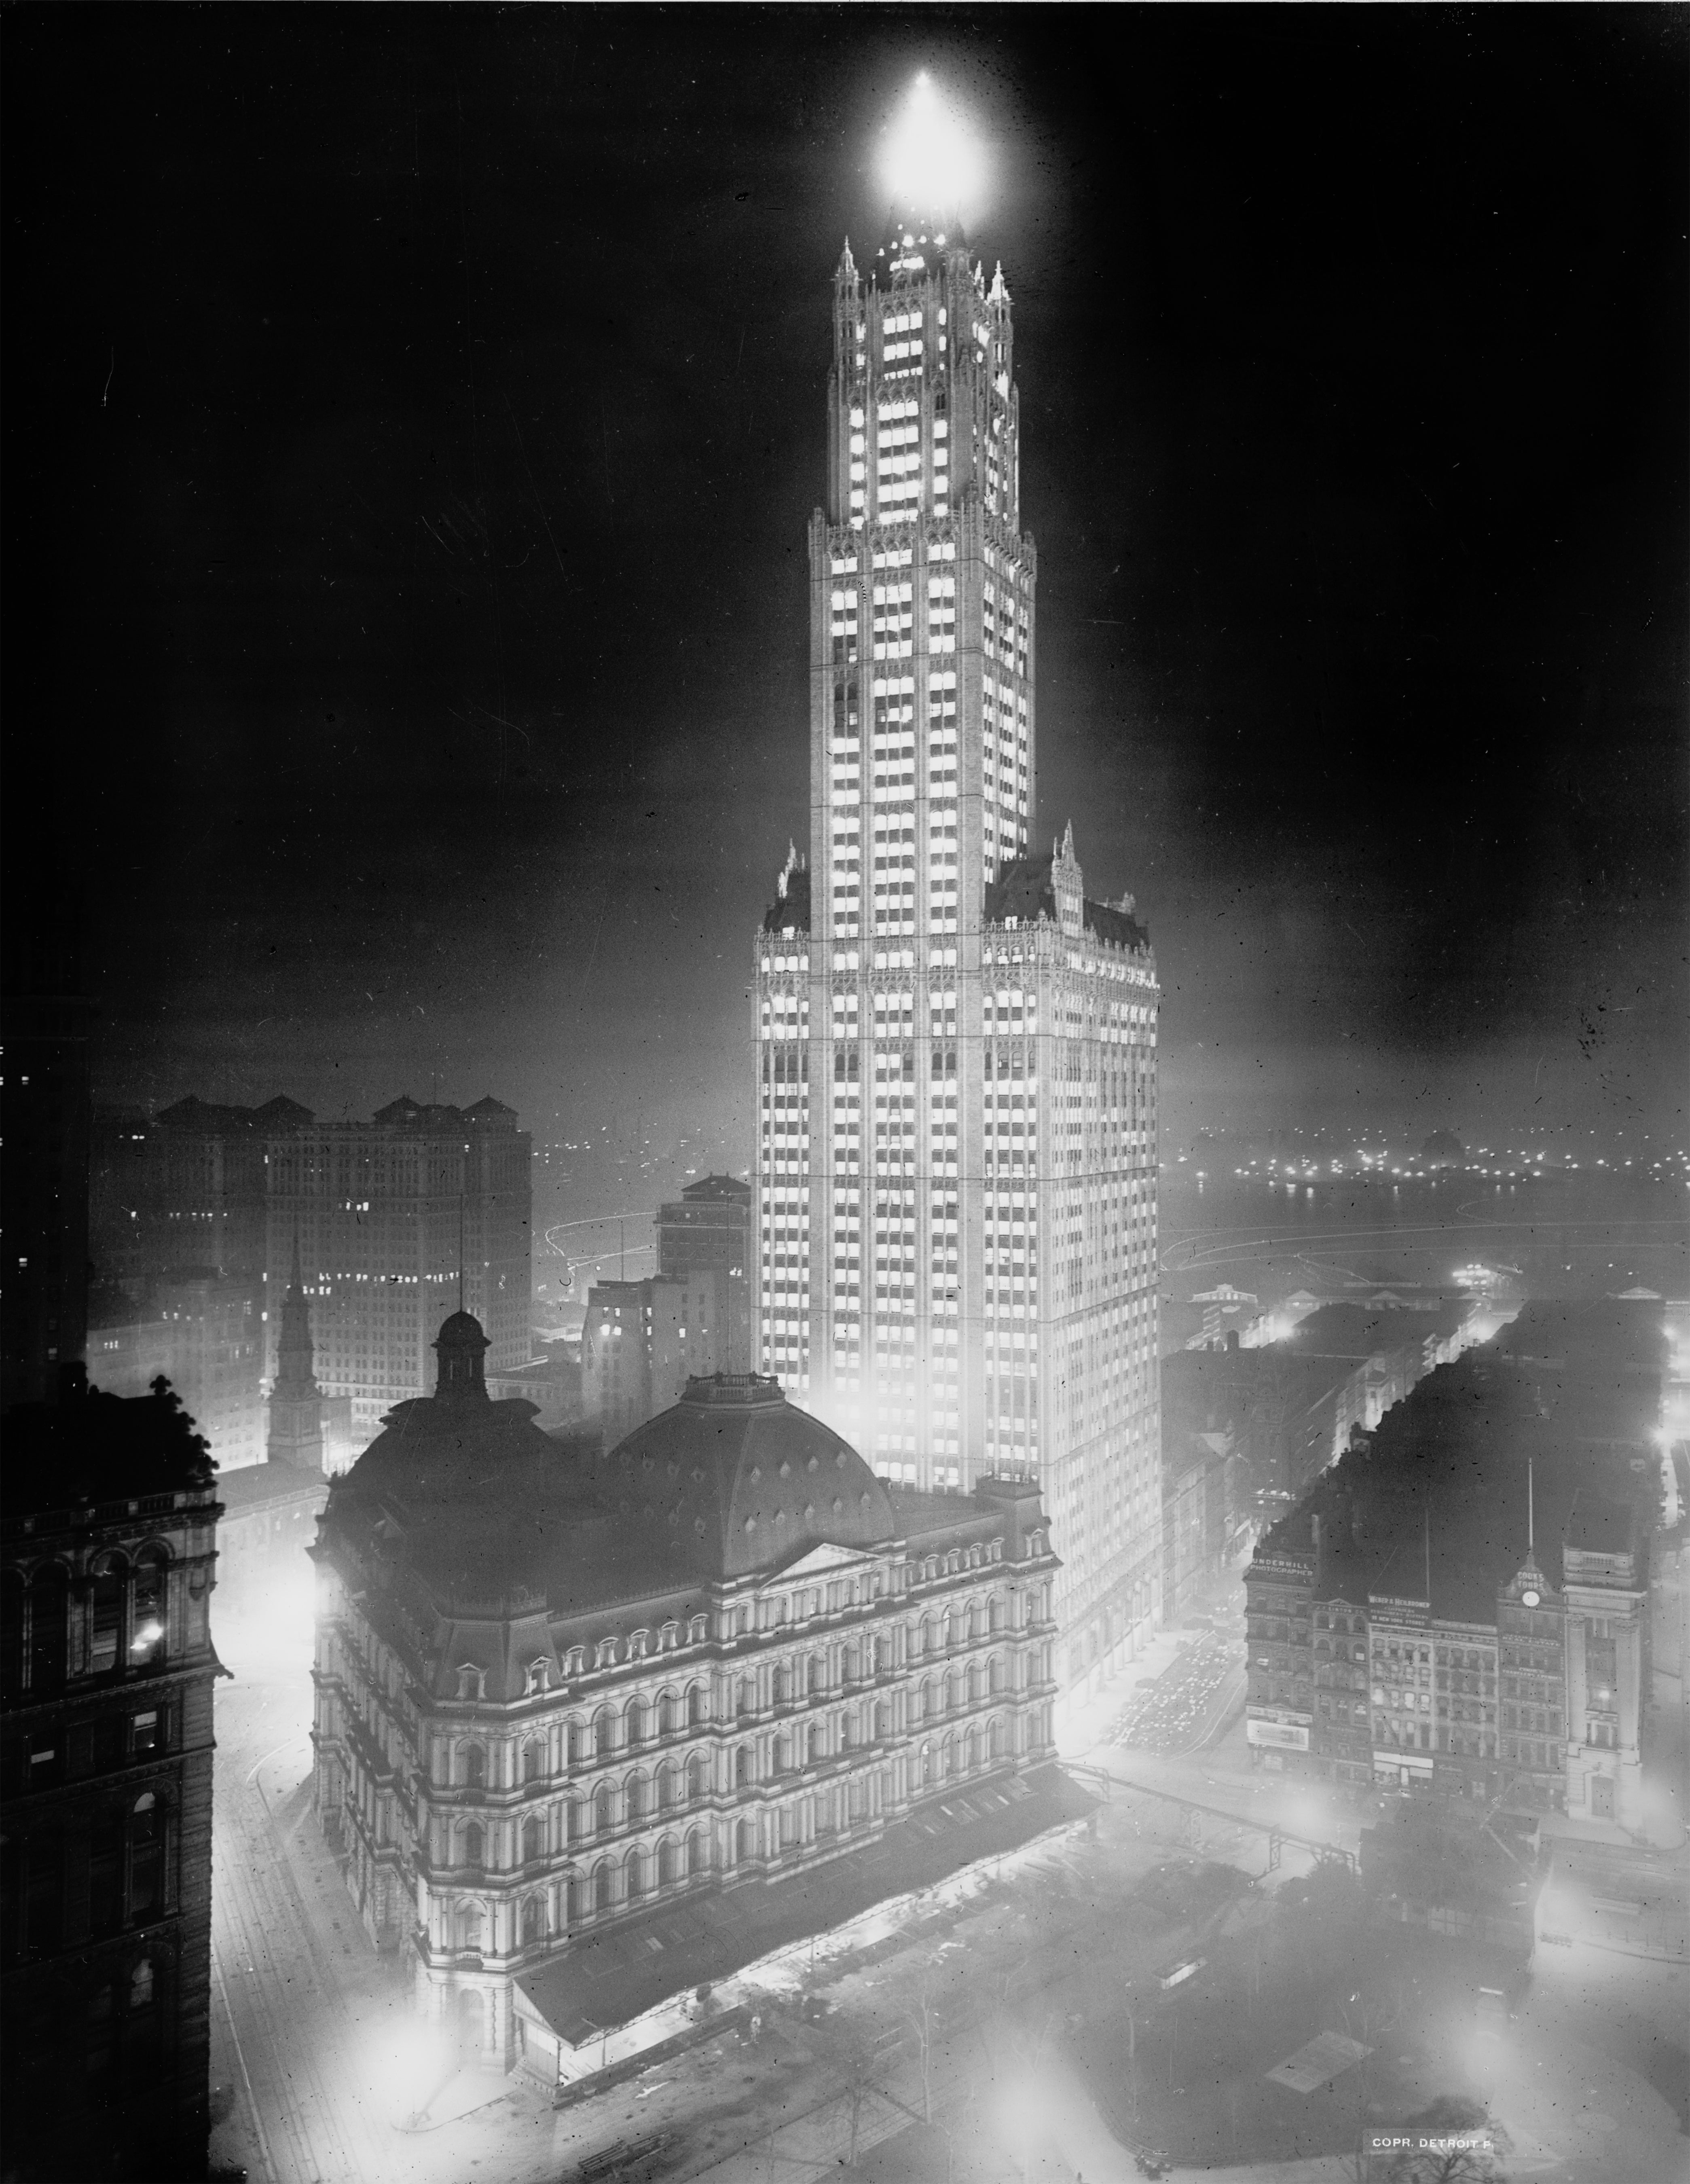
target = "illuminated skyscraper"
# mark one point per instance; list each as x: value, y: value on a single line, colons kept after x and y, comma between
x: 956, y: 1050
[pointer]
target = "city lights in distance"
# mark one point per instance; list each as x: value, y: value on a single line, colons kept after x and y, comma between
x: 932, y: 163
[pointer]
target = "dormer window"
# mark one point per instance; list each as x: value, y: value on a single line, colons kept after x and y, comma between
x: 538, y: 1677
x: 471, y: 1682
x: 671, y: 1637
x: 606, y: 1656
x: 574, y: 1660
x: 638, y: 1645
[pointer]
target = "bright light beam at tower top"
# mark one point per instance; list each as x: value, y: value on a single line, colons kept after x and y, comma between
x: 932, y: 163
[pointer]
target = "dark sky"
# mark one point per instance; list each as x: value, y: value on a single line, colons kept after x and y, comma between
x: 411, y: 420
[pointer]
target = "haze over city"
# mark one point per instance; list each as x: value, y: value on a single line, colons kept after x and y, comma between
x: 846, y: 1311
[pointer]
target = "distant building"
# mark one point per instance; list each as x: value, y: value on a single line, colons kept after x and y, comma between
x: 390, y: 1218
x: 1388, y: 1349
x: 1462, y: 1604
x: 640, y: 1717
x: 106, y: 1678
x: 552, y: 1382
x: 640, y: 1343
x: 1201, y: 1526
x: 187, y: 1189
x: 707, y: 1231
x: 295, y: 1434
x: 203, y: 1332
x: 393, y: 1219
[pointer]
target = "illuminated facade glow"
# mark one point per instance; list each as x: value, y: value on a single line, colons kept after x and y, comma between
x: 956, y: 1050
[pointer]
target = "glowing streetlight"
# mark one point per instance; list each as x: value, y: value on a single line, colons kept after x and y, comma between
x: 931, y: 163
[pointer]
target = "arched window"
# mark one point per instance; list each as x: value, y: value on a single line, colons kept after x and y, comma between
x: 141, y: 1984
x: 668, y: 1862
x: 634, y: 1869
x: 697, y: 1713
x: 603, y: 1886
x: 474, y: 1843
x: 927, y: 1765
x: 668, y: 1708
x: 533, y: 1760
x: 146, y: 1856
x: 996, y: 1678
x: 577, y: 1900
x: 604, y: 1733
x: 105, y: 1635
x: 603, y: 1808
x: 469, y: 1925
x: 970, y: 1753
x: 533, y: 1839
x: 533, y: 1922
x: 575, y: 1820
x: 474, y: 1764
x: 665, y: 1788
x: 49, y: 1627
x: 470, y: 1680
x: 636, y: 1721
x: 744, y: 1841
x: 697, y: 1859
x: 148, y: 1609
x: 472, y: 2009
x: 742, y: 1766
x: 995, y: 1739
x: 636, y: 1789
x: 697, y: 1781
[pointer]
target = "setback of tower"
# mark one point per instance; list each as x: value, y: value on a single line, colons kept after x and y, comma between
x: 956, y: 1158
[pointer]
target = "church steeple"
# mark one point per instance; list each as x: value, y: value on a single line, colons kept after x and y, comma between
x: 295, y: 1402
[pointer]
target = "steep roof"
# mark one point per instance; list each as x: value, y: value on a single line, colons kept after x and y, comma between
x: 1026, y: 890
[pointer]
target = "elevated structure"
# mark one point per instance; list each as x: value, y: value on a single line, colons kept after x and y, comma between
x: 956, y: 1064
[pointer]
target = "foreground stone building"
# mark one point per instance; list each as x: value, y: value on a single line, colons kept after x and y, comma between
x: 561, y: 1693
x: 107, y: 1674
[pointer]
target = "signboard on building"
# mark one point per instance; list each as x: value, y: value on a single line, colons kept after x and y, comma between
x: 1287, y: 1736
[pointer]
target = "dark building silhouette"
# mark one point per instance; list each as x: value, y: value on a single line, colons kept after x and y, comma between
x: 106, y: 1681
x: 295, y: 1434
x: 45, y: 1120
x: 203, y: 1332
x: 707, y: 1232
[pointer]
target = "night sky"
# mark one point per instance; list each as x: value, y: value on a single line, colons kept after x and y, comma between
x: 411, y: 422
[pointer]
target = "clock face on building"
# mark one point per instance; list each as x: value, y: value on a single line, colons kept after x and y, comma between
x: 1528, y: 1599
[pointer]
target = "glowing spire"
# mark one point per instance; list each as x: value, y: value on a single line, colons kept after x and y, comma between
x: 932, y: 162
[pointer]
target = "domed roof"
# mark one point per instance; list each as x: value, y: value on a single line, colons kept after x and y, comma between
x: 738, y: 1480
x: 457, y: 1443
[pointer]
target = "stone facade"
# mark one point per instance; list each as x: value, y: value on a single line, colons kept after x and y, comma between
x: 742, y: 1656
x: 106, y: 1752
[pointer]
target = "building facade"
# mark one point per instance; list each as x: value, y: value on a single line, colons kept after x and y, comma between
x: 956, y: 1047
x: 395, y: 1220
x: 1462, y: 1606
x: 639, y: 1343
x: 707, y: 1232
x: 203, y: 1332
x: 106, y: 1679
x: 725, y: 1655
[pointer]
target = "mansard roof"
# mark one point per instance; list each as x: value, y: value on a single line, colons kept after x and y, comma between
x: 1025, y: 890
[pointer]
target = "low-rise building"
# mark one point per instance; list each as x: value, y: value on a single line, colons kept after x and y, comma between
x: 1460, y: 1603
x: 562, y: 1691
